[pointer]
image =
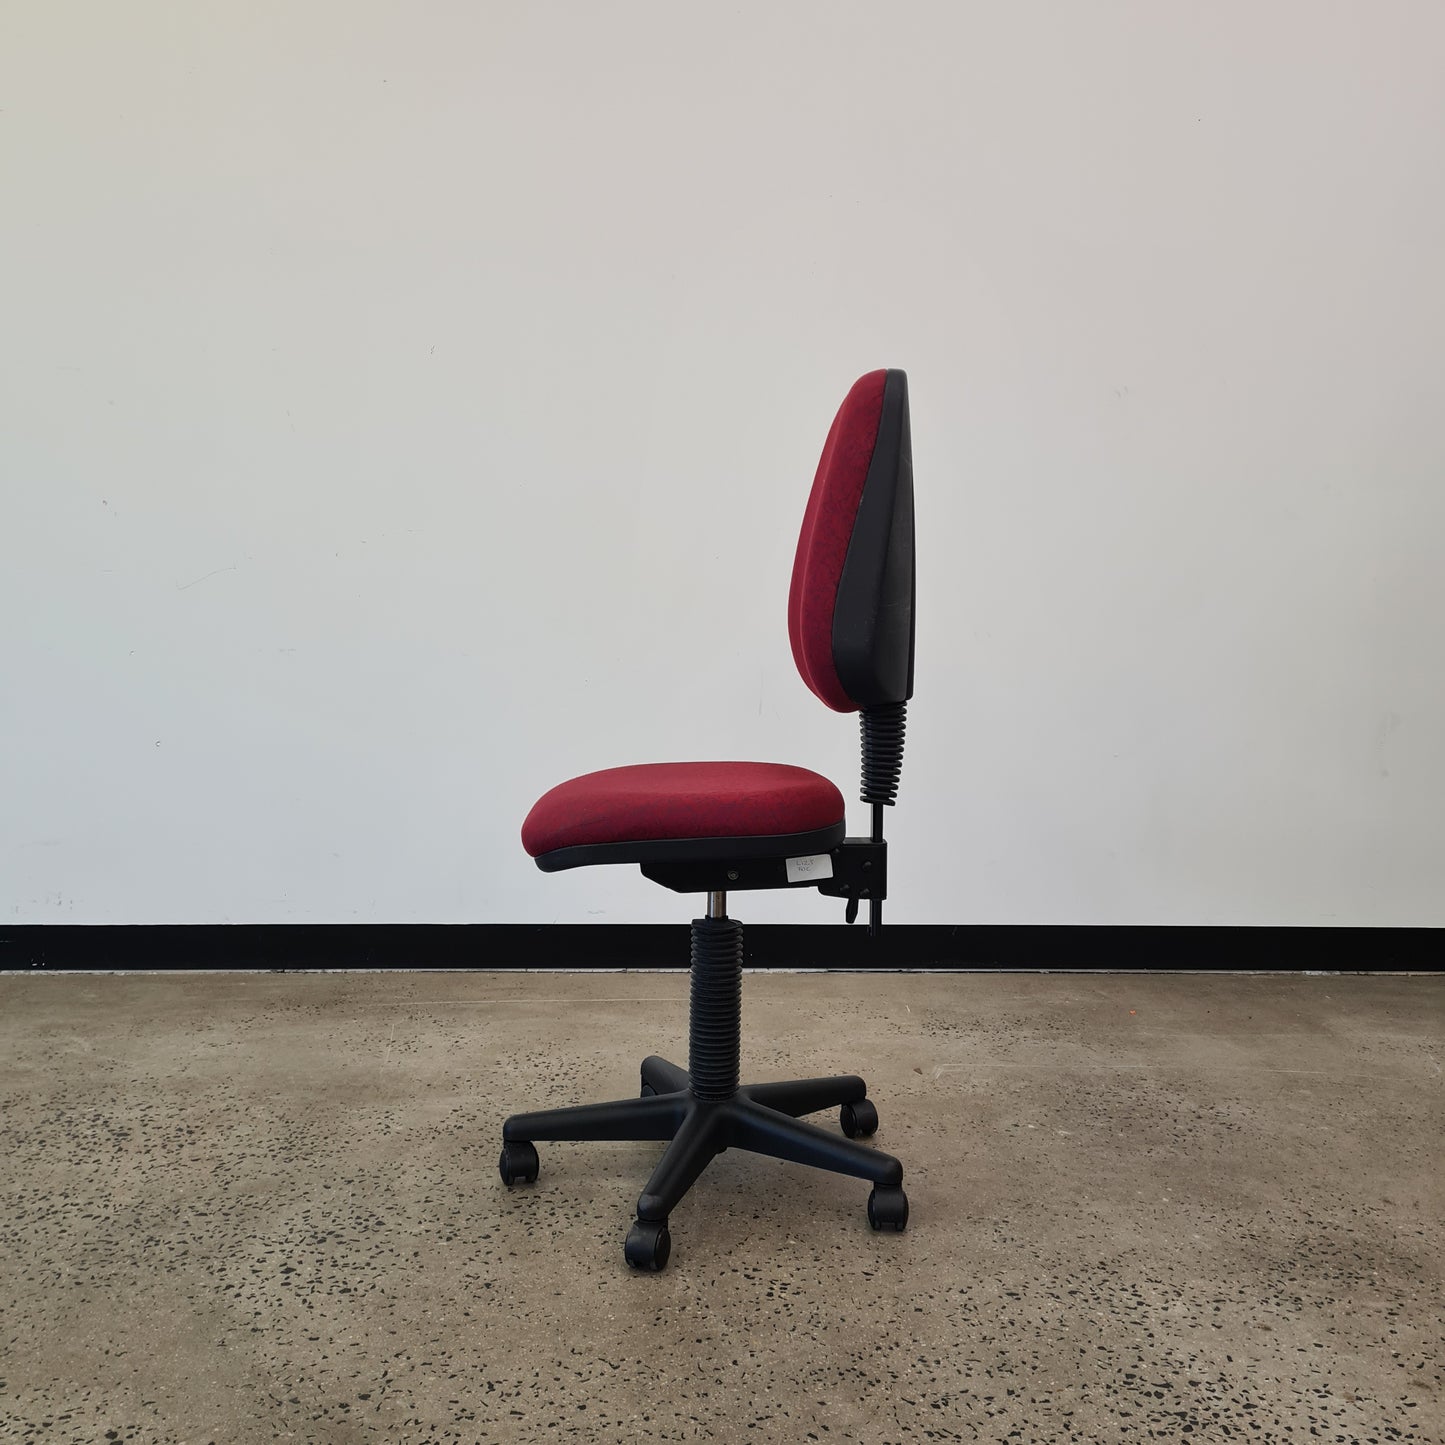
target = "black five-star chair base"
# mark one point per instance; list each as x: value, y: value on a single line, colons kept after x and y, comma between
x: 760, y: 1117
x: 706, y: 1111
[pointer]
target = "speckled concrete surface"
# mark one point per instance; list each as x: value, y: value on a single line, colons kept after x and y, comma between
x: 257, y: 1207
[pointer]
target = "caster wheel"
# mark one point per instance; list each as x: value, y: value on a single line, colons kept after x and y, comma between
x: 888, y: 1207
x: 518, y: 1164
x: 648, y: 1091
x: 648, y: 1245
x: 859, y: 1120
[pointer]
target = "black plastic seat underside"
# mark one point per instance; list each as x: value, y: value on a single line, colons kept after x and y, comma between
x: 695, y: 850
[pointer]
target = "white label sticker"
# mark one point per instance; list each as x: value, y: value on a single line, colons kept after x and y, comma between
x: 810, y: 869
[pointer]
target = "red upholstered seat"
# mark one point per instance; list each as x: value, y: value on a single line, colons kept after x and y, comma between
x: 681, y: 800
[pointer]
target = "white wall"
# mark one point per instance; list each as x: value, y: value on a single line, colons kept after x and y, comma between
x: 408, y: 406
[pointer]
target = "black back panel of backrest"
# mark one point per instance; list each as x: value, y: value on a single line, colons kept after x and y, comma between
x: 873, y: 616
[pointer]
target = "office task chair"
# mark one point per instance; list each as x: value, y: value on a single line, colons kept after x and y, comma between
x: 717, y: 827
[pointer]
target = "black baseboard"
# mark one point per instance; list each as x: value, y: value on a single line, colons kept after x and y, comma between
x: 173, y: 947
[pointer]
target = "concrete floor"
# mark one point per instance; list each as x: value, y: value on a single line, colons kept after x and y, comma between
x: 250, y: 1207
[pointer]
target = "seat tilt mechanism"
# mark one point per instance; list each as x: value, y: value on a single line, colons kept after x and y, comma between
x: 860, y: 870
x: 856, y: 869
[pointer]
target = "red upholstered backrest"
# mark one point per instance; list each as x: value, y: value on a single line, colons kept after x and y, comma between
x: 827, y: 530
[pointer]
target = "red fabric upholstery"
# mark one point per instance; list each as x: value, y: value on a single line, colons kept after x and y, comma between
x: 827, y: 530
x: 681, y: 800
